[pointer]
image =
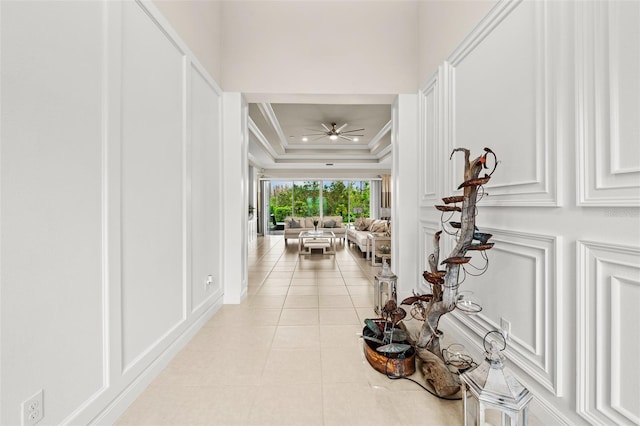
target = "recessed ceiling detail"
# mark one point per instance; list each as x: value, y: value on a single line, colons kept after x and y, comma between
x: 334, y: 133
x: 312, y: 135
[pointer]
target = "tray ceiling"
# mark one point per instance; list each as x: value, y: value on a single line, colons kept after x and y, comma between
x: 277, y: 131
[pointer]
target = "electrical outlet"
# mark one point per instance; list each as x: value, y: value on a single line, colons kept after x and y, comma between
x: 33, y: 409
x: 506, y: 328
x: 208, y: 282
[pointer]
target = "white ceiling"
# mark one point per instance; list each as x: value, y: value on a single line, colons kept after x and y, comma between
x: 277, y: 129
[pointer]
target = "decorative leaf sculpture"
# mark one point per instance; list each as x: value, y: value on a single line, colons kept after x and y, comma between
x: 444, y: 287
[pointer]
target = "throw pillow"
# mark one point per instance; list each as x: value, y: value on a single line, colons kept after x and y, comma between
x: 379, y: 226
x: 330, y: 224
x: 294, y: 224
x: 361, y: 224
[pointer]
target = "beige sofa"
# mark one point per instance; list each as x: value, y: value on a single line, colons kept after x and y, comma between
x: 294, y: 225
x: 363, y: 227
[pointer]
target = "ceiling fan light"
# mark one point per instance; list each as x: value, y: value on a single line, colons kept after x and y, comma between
x: 333, y: 137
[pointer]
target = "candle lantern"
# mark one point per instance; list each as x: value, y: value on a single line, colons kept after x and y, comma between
x: 385, y: 280
x: 492, y: 386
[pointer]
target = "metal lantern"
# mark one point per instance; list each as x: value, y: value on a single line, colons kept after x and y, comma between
x: 387, y: 279
x: 492, y: 386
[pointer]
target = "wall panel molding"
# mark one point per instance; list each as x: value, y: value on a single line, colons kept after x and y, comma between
x: 205, y: 101
x: 521, y: 125
x: 153, y: 179
x: 608, y: 343
x: 431, y: 120
x: 608, y: 105
x: 123, y: 393
x: 539, y: 355
x: 425, y: 248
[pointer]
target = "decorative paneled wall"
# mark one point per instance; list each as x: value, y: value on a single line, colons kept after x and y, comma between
x: 608, y: 97
x: 430, y: 133
x: 510, y: 106
x: 553, y: 88
x: 110, y: 185
x: 531, y: 263
x: 608, y: 293
x: 426, y: 246
x: 150, y: 156
x: 204, y: 134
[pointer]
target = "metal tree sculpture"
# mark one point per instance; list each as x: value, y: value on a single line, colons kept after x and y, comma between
x: 445, y: 283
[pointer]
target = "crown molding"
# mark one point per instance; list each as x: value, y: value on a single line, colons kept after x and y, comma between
x: 268, y: 113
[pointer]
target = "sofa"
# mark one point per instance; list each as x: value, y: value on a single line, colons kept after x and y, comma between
x: 293, y: 225
x: 359, y: 233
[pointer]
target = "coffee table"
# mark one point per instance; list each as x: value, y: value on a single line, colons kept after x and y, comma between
x: 316, y: 240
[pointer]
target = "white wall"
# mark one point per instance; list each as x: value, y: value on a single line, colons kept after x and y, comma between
x: 110, y: 220
x: 320, y: 47
x: 547, y: 85
x: 235, y: 183
x: 199, y: 24
x: 443, y: 25
x: 404, y: 191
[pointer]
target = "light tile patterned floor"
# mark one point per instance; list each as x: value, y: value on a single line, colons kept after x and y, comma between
x: 299, y: 358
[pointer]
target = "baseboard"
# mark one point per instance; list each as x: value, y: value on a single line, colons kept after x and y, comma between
x: 541, y: 411
x: 134, y: 389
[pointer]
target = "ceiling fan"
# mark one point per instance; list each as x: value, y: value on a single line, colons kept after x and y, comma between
x: 336, y: 133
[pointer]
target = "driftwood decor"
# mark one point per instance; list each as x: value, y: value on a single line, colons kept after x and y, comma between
x: 445, y: 276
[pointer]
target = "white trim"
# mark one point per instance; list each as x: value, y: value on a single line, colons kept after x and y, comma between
x: 544, y: 411
x: 598, y: 267
x: 541, y: 358
x: 375, y: 141
x: 543, y: 189
x: 268, y: 113
x: 335, y: 146
x: 351, y: 179
x: 187, y: 171
x: 429, y: 150
x: 601, y: 181
x: 113, y: 93
x: 150, y: 9
x: 262, y: 140
x: 120, y: 401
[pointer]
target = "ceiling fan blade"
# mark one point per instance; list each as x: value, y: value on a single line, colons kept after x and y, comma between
x: 354, y: 130
x: 315, y: 134
x: 319, y: 137
x: 325, y: 126
x: 345, y: 138
x: 339, y: 129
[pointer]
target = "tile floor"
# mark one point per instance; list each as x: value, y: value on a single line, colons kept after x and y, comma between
x: 290, y: 354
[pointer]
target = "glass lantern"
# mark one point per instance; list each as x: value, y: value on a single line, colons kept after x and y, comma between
x: 385, y: 280
x: 492, y: 386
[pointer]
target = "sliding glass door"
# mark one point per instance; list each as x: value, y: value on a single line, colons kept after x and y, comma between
x: 306, y: 198
x: 359, y: 199
x: 335, y: 199
x: 314, y: 198
x: 279, y: 206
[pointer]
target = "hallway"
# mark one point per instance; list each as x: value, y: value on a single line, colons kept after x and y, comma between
x: 290, y: 354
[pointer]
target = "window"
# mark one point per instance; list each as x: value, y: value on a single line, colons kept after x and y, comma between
x: 335, y: 199
x: 280, y: 200
x: 359, y: 199
x: 306, y: 198
x: 349, y: 199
